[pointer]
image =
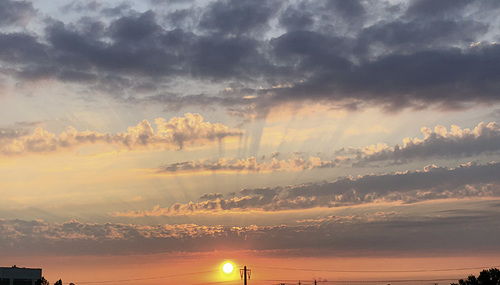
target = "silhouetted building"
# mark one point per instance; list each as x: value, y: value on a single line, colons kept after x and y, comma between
x: 19, y: 276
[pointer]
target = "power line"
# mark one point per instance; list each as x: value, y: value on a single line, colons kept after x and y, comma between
x: 217, y: 282
x: 303, y: 269
x: 145, y: 278
x: 358, y: 281
x: 373, y: 271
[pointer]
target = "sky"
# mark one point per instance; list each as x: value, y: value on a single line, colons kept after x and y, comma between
x: 333, y: 140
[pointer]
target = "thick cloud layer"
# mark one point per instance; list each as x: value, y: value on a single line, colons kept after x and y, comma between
x: 245, y: 58
x: 15, y: 12
x: 407, y: 54
x: 380, y: 233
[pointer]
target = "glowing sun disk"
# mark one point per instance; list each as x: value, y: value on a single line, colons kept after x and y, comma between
x: 227, y: 268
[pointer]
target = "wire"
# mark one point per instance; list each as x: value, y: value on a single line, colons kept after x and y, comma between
x: 372, y: 271
x: 145, y: 278
x: 218, y: 282
x: 304, y: 281
x: 302, y: 269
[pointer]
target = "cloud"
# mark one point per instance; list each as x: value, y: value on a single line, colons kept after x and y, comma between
x: 443, y: 77
x: 211, y: 196
x: 458, y: 142
x: 15, y: 12
x: 433, y: 9
x: 177, y: 133
x: 484, y: 139
x: 339, y: 52
x: 8, y: 134
x: 232, y: 17
x: 434, y: 183
x: 250, y: 165
x: 130, y: 29
x: 378, y: 233
x: 415, y: 35
x: 18, y: 48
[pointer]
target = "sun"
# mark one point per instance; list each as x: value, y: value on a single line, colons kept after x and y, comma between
x: 227, y: 268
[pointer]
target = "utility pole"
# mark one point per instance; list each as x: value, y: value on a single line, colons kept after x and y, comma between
x: 244, y: 273
x: 245, y: 270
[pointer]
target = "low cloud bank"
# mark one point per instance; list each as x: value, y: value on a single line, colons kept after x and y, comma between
x: 379, y: 233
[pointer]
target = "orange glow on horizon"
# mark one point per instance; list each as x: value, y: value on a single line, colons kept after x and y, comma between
x: 202, y: 268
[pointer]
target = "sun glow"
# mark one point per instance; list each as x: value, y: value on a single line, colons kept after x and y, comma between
x: 227, y: 268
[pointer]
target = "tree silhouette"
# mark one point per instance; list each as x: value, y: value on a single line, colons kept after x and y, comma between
x: 42, y: 281
x: 58, y: 282
x: 486, y: 277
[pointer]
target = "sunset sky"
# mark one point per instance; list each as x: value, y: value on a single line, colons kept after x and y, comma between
x: 339, y: 140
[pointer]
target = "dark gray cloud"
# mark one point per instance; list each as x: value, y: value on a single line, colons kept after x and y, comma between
x: 439, y: 77
x: 140, y: 46
x: 135, y: 29
x: 311, y: 51
x: 82, y: 50
x: 334, y: 51
x: 21, y: 48
x: 9, y: 134
x: 347, y: 8
x: 297, y: 18
x: 226, y: 58
x: 30, y: 124
x: 233, y: 17
x: 15, y: 12
x: 405, y: 37
x: 338, y: 17
x: 251, y: 164
x: 211, y: 196
x: 437, y: 9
